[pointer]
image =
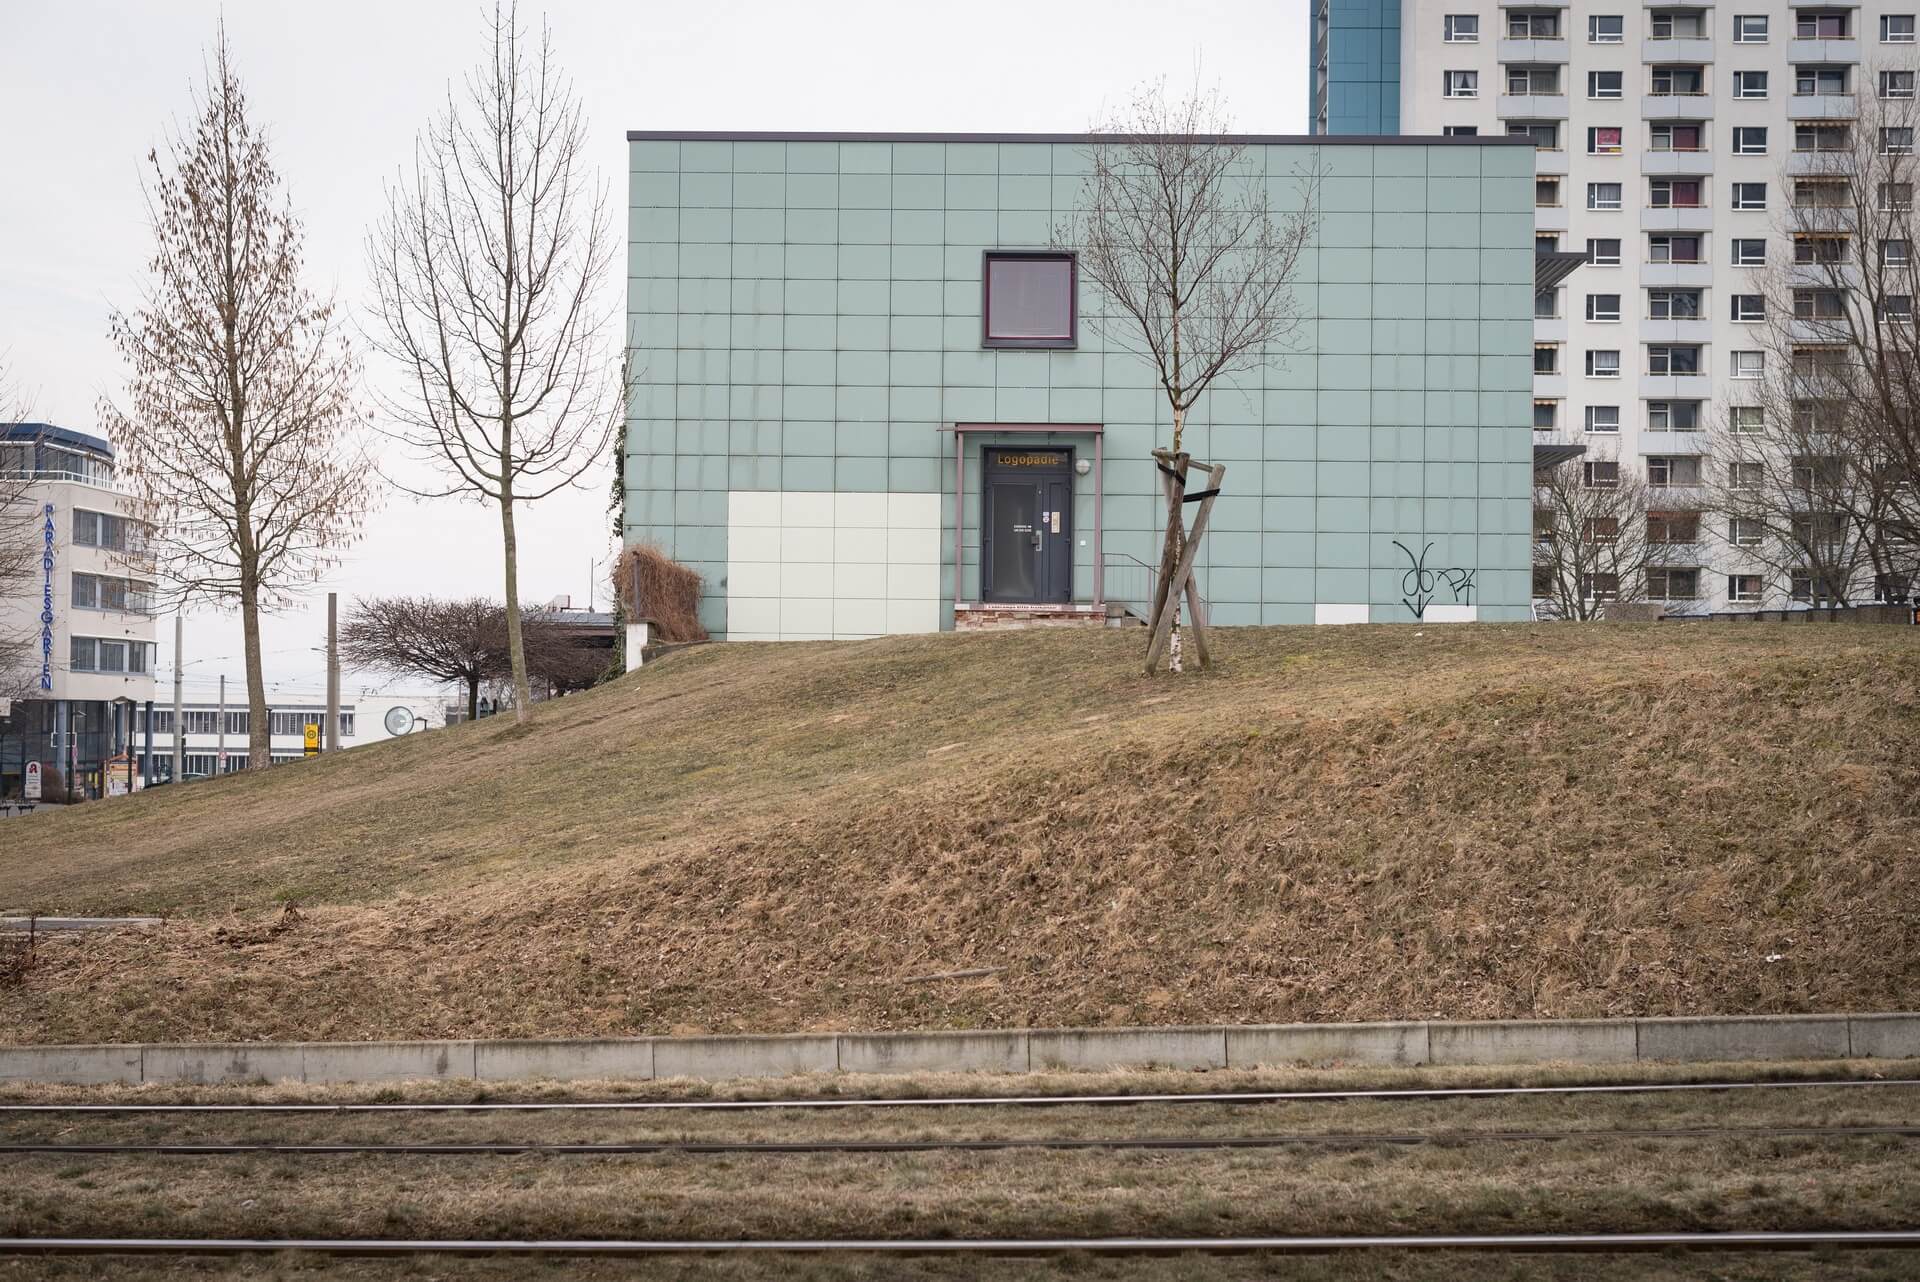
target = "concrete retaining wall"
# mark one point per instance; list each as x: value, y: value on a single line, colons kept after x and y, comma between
x: 1600, y: 1041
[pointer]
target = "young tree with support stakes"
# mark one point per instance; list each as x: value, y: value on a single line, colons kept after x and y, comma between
x: 1177, y: 225
x: 239, y: 435
x: 491, y: 270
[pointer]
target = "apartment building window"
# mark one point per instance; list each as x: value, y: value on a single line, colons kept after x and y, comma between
x: 1892, y: 589
x: 294, y: 723
x: 1603, y: 363
x: 1809, y: 250
x: 1820, y: 24
x: 1896, y: 29
x: 1544, y: 134
x: 1749, y: 364
x: 98, y: 592
x: 1673, y: 470
x: 1818, y: 82
x: 1546, y: 358
x: 1897, y: 309
x: 1897, y: 141
x: 1745, y: 532
x: 1673, y: 249
x: 1810, y: 416
x: 1029, y: 300
x: 1546, y: 415
x: 1895, y: 253
x: 1750, y: 140
x: 1674, y: 193
x: 1546, y: 304
x: 1818, y: 304
x: 1601, y: 585
x: 1823, y: 137
x: 1673, y: 304
x: 1601, y: 530
x: 200, y: 722
x: 1524, y: 24
x: 1749, y: 84
x: 1463, y: 84
x: 1806, y: 587
x: 101, y: 654
x: 1666, y: 583
x: 1533, y: 80
x: 1603, y: 420
x: 1603, y: 195
x: 1818, y: 364
x: 1749, y: 252
x: 1673, y: 416
x: 1667, y: 358
x: 100, y: 530
x: 1546, y: 242
x: 1896, y: 84
x: 1819, y: 193
x: 1600, y: 474
x: 1603, y: 307
x: 1666, y: 137
x: 1673, y: 527
x: 1895, y: 196
x: 1749, y: 307
x: 1546, y: 193
x: 1743, y: 587
x: 1462, y: 28
x: 1679, y: 80
x: 1746, y: 420
x: 1749, y: 195
x: 1603, y: 251
x: 1750, y: 29
x: 1603, y: 140
x: 1460, y: 131
x: 1604, y: 84
x: 1676, y: 24
x: 1606, y: 29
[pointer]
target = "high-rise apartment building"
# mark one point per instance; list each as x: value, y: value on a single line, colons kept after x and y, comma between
x: 1669, y: 136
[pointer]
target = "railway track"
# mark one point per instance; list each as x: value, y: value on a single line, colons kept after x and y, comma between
x: 771, y: 1147
x: 1888, y: 1239
x: 974, y: 1101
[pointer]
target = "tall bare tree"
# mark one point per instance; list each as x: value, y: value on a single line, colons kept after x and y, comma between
x: 1604, y: 537
x: 239, y: 435
x: 1194, y: 249
x: 20, y: 544
x: 491, y: 267
x: 1823, y: 449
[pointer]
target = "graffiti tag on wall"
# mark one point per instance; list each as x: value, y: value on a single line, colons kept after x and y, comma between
x: 1419, y: 584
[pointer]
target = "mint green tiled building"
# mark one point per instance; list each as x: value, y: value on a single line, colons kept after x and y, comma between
x: 826, y: 379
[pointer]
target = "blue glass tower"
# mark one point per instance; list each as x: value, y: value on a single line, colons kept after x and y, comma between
x: 1356, y: 67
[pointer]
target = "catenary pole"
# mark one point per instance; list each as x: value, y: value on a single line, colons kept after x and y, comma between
x: 333, y: 672
x: 179, y: 721
x: 220, y: 744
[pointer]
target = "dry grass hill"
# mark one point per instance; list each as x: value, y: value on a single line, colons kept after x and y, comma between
x: 1341, y: 823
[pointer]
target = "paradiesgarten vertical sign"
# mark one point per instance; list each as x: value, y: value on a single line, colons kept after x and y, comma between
x: 46, y: 602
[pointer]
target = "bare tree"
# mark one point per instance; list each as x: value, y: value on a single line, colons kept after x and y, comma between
x: 459, y: 641
x: 20, y: 544
x: 1178, y: 227
x: 239, y: 437
x: 1823, y: 449
x: 1604, y: 537
x: 490, y: 267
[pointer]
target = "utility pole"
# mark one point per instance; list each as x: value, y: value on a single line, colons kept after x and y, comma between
x: 179, y: 716
x: 332, y: 739
x: 220, y: 727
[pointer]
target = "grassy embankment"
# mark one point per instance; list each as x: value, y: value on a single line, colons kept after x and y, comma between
x: 1351, y: 823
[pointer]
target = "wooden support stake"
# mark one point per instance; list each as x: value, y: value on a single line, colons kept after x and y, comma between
x: 1181, y: 583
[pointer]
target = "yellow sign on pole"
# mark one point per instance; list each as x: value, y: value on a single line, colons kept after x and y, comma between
x: 313, y: 739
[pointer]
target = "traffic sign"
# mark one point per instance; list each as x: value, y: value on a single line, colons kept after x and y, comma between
x: 313, y: 739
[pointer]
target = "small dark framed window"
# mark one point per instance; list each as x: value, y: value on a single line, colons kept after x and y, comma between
x: 1029, y: 299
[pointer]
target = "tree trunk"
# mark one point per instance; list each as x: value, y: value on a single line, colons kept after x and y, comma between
x: 516, y: 651
x: 259, y: 732
x: 473, y: 697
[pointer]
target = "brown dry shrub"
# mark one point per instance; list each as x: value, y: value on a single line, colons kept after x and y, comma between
x: 668, y: 592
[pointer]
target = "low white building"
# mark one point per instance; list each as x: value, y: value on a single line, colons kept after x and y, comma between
x: 214, y: 740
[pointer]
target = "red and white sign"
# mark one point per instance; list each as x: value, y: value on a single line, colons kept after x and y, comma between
x: 31, y: 787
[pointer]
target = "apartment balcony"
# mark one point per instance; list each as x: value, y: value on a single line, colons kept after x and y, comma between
x: 1684, y: 49
x: 1676, y: 106
x: 1533, y: 51
x: 1821, y: 106
x: 1676, y: 275
x: 1833, y: 330
x: 1677, y: 218
x: 1837, y: 164
x: 1532, y: 106
x: 1548, y: 161
x: 1550, y: 386
x: 1676, y: 387
x: 1549, y: 329
x: 1661, y: 163
x: 1810, y: 51
x: 1659, y: 443
x: 1549, y: 217
x: 1680, y: 4
x: 1685, y: 329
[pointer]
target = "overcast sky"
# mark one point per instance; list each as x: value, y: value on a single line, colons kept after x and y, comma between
x: 86, y: 88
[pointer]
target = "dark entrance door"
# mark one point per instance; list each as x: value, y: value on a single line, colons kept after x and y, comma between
x: 1026, y: 548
